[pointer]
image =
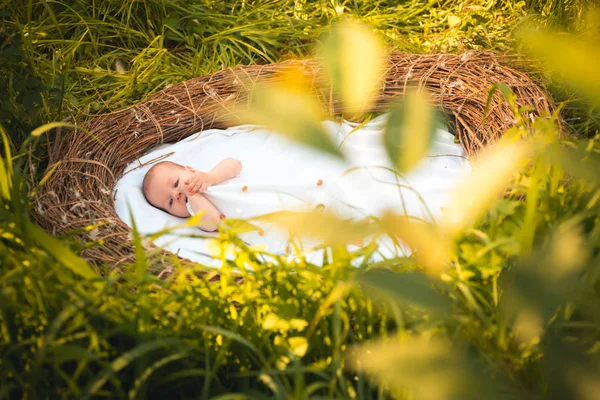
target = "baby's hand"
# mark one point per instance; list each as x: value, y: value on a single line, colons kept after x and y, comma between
x: 198, y: 182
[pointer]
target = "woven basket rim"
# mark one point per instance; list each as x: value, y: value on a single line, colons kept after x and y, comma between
x: 87, y: 166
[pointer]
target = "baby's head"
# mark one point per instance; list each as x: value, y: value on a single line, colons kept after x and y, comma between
x: 163, y: 188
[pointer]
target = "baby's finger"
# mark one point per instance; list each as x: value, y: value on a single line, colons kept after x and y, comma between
x: 197, y: 186
x: 203, y: 187
x: 193, y: 182
x: 197, y: 182
x: 192, y: 189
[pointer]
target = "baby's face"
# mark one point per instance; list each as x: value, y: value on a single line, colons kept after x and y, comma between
x: 166, y: 190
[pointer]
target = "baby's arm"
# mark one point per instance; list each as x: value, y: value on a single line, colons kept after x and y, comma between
x: 224, y: 170
x: 211, y: 217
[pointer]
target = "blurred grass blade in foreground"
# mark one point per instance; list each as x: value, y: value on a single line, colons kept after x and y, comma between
x: 431, y: 249
x: 492, y: 172
x: 581, y: 163
x: 430, y: 368
x: 411, y: 288
x: 323, y: 225
x: 409, y: 129
x: 572, y: 60
x: 547, y: 278
x: 354, y: 59
x: 288, y: 109
x: 549, y: 305
x: 578, y: 376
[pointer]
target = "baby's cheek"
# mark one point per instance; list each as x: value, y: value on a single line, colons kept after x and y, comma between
x: 184, y: 211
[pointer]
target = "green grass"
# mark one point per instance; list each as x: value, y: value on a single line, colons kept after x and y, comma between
x: 81, y: 57
x: 514, y: 315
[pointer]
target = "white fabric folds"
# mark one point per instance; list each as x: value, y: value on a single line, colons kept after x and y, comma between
x: 281, y: 175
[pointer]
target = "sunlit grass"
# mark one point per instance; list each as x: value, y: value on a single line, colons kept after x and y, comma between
x: 492, y: 306
x: 81, y: 59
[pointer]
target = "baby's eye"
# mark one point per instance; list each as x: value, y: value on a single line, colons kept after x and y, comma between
x: 171, y: 203
x: 177, y: 183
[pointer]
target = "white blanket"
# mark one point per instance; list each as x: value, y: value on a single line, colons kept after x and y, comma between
x: 278, y: 174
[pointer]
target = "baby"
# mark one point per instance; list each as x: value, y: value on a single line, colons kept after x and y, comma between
x: 175, y: 189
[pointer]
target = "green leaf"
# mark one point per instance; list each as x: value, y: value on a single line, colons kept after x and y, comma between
x: 236, y: 226
x: 291, y: 112
x: 230, y: 396
x: 354, y: 59
x: 183, y: 374
x: 58, y: 250
x: 579, y: 163
x: 430, y: 368
x: 409, y: 130
x: 139, y: 382
x: 48, y: 339
x: 44, y: 179
x: 5, y: 180
x: 429, y: 247
x: 141, y: 262
x: 51, y: 125
x: 6, y: 167
x: 235, y: 337
x: 571, y: 59
x: 30, y: 100
x: 507, y: 93
x: 583, y: 379
x: 72, y: 352
x: 123, y: 361
x: 409, y: 287
x: 492, y: 172
x: 324, y: 225
x: 507, y: 207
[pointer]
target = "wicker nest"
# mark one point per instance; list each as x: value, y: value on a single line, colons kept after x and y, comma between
x: 79, y: 191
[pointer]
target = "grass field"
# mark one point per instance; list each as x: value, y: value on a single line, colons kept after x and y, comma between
x: 511, y: 312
